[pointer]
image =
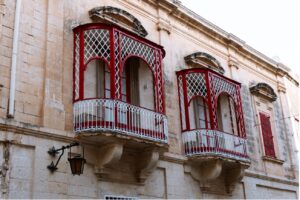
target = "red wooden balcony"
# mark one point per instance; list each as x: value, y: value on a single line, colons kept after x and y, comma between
x: 211, y: 115
x: 118, y: 85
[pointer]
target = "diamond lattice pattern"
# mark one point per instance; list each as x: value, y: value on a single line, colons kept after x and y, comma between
x: 219, y: 85
x: 96, y: 44
x: 76, y: 85
x: 130, y: 46
x: 196, y: 85
x: 117, y: 65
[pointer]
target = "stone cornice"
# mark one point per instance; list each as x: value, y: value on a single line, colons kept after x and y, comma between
x: 252, y: 174
x: 10, y: 125
x: 180, y: 11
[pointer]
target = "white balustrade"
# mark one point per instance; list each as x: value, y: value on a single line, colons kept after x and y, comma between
x: 205, y: 142
x: 119, y: 117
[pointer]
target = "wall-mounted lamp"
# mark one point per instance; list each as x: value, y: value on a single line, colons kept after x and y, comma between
x: 76, y: 162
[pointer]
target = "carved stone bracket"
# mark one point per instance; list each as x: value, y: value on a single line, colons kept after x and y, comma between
x: 147, y: 163
x: 109, y: 155
x: 118, y: 162
x: 233, y: 176
x: 205, y: 172
x: 209, y: 171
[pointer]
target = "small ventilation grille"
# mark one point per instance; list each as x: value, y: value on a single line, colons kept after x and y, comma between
x: 113, y: 197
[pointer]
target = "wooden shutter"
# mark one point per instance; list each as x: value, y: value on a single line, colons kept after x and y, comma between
x: 267, y: 135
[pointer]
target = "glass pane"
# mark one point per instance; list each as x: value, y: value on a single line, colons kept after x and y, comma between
x: 123, y: 85
x: 107, y: 93
x: 107, y: 80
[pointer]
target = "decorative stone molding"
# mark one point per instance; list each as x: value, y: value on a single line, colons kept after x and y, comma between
x: 204, y: 60
x: 128, y: 165
x: 205, y: 172
x: 233, y: 176
x: 273, y: 160
x: 264, y: 90
x: 146, y: 164
x: 164, y: 26
x: 108, y: 155
x: 4, y: 169
x: 119, y: 17
x: 281, y: 88
x: 232, y: 62
x: 209, y: 171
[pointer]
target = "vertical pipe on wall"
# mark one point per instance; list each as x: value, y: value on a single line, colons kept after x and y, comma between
x: 14, y: 60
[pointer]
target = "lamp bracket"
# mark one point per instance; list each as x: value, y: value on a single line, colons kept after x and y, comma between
x: 52, y: 151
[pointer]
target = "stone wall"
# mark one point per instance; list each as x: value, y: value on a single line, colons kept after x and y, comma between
x: 43, y: 106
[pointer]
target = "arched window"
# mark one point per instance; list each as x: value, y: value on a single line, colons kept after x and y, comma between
x: 137, y: 83
x: 199, y: 114
x: 226, y: 114
x: 97, y: 80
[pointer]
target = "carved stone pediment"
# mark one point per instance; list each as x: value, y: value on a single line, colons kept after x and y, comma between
x: 264, y: 90
x: 118, y: 17
x: 204, y: 60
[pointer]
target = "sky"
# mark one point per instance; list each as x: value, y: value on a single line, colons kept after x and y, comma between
x: 269, y: 26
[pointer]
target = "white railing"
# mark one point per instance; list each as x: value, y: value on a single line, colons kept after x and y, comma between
x: 119, y: 117
x: 205, y: 142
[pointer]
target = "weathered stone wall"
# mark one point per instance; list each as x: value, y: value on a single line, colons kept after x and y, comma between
x: 43, y: 107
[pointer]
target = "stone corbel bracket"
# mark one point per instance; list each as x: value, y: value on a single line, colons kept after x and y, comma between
x: 206, y: 172
x: 146, y: 164
x: 109, y: 155
x: 233, y: 176
x: 119, y: 17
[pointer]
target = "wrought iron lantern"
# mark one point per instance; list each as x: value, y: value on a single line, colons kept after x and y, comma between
x: 76, y: 162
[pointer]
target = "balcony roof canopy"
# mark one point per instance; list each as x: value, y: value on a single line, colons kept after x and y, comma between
x: 116, y: 27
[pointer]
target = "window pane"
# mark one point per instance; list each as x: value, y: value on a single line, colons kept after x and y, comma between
x: 123, y: 85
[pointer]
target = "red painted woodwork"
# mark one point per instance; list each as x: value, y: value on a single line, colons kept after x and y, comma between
x: 208, y: 84
x: 266, y: 130
x: 114, y: 45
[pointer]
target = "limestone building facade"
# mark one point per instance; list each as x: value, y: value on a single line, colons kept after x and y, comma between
x: 163, y: 104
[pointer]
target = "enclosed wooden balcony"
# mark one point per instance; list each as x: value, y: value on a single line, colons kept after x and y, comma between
x: 118, y: 86
x: 118, y: 100
x: 213, y: 132
x: 211, y: 115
